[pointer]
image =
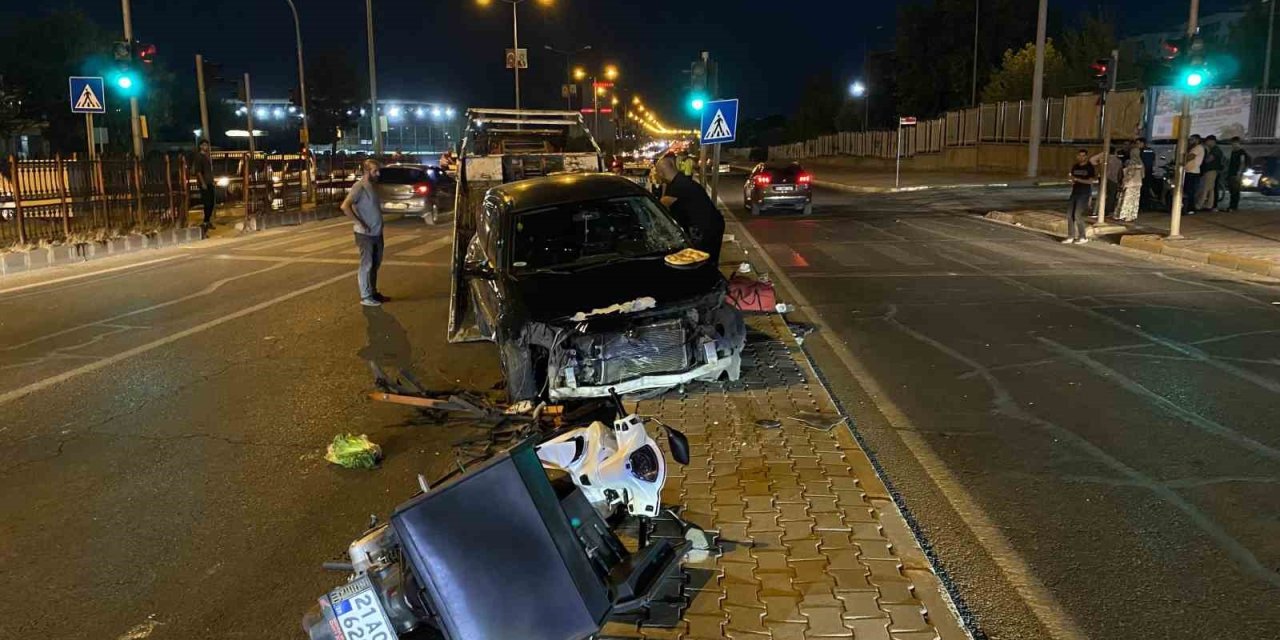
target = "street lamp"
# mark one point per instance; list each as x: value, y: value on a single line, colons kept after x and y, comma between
x: 576, y: 74
x: 857, y: 89
x: 515, y: 36
x: 302, y: 78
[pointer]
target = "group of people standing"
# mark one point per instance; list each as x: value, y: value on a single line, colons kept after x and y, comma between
x: 1131, y: 184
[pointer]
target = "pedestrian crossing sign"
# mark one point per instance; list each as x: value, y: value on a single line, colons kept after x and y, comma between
x: 719, y: 121
x: 87, y: 95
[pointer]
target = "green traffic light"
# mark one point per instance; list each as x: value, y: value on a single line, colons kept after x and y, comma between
x: 1194, y: 79
x: 697, y: 104
x: 124, y: 82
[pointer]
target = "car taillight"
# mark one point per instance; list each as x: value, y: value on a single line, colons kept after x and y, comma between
x: 422, y: 188
x: 804, y: 178
x: 763, y: 180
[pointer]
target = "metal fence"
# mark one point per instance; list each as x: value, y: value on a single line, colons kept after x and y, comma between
x: 67, y: 198
x: 1069, y: 119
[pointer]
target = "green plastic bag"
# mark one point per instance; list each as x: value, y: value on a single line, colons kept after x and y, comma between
x: 354, y: 452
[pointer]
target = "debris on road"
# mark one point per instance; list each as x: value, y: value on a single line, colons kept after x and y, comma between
x: 353, y: 452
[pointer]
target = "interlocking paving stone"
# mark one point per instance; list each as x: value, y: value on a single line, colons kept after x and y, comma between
x: 800, y: 551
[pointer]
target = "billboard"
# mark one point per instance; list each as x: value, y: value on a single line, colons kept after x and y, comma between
x: 1220, y: 112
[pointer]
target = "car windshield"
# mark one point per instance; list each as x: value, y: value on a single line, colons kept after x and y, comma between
x: 401, y: 175
x: 578, y: 234
x: 783, y: 171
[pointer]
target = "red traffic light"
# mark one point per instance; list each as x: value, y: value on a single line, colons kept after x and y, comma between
x: 146, y: 53
x: 1100, y: 67
x: 1170, y: 50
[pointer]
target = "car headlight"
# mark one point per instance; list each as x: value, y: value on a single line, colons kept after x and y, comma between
x: 222, y: 181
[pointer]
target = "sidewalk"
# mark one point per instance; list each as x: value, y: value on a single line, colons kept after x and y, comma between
x: 808, y: 541
x: 1247, y: 240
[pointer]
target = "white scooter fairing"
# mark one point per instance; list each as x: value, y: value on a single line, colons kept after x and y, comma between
x: 612, y: 465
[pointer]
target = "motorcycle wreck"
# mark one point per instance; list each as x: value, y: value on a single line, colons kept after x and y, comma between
x: 547, y: 539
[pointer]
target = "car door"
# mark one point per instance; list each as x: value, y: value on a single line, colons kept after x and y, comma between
x: 483, y: 267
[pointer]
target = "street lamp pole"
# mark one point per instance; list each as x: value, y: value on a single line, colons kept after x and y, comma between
x: 302, y: 77
x: 568, y: 69
x: 1183, y: 130
x: 515, y: 46
x: 973, y: 93
x: 1266, y: 63
x: 373, y: 80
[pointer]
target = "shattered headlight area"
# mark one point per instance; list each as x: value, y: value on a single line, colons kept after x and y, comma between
x: 653, y: 351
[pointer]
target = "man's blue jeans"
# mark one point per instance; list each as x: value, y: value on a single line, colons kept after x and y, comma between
x: 371, y: 248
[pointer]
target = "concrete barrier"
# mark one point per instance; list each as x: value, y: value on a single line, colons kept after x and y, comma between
x: 43, y: 257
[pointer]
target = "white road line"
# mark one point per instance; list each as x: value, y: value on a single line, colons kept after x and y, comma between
x: 327, y: 243
x: 896, y: 253
x: 844, y: 255
x: 287, y: 236
x: 40, y: 385
x: 422, y: 249
x: 79, y: 276
x: 1028, y: 587
x: 347, y: 261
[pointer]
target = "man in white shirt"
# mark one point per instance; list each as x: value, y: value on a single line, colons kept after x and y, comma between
x: 1191, y: 183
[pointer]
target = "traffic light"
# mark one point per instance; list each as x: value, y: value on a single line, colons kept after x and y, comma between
x: 146, y: 53
x: 1194, y: 74
x: 1104, y: 73
x: 697, y: 100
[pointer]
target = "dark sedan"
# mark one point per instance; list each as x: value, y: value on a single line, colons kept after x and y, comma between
x: 576, y: 278
x: 778, y: 185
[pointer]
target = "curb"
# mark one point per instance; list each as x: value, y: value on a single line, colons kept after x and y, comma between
x: 850, y: 188
x: 16, y: 262
x: 1051, y: 223
x: 287, y: 219
x: 1157, y: 244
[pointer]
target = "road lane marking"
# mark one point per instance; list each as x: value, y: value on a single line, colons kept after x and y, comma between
x: 286, y: 236
x: 420, y: 250
x: 844, y: 255
x: 343, y: 261
x: 80, y: 276
x: 1030, y: 590
x: 897, y: 254
x: 41, y: 385
x: 327, y: 243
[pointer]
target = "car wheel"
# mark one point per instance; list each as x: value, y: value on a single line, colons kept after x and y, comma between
x: 808, y: 209
x: 433, y: 214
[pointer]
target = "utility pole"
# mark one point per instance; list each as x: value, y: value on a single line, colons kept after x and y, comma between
x: 373, y: 82
x: 973, y: 93
x: 135, y: 123
x: 248, y: 114
x: 302, y: 76
x: 204, y: 100
x: 1266, y: 63
x: 1037, y: 95
x: 1182, y: 131
x: 515, y: 45
x: 1114, y: 70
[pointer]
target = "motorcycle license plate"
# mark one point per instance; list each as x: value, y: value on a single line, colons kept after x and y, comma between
x: 358, y: 613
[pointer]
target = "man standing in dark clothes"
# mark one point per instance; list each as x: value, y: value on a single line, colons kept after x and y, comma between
x: 202, y: 165
x: 1083, y: 177
x: 1240, y: 160
x: 692, y: 209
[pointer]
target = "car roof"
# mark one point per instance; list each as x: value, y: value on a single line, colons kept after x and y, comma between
x: 567, y: 187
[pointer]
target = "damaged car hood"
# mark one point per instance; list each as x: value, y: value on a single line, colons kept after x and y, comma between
x: 557, y: 296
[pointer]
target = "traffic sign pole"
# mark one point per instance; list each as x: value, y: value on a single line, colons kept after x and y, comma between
x: 88, y: 132
x: 715, y: 172
x: 897, y: 165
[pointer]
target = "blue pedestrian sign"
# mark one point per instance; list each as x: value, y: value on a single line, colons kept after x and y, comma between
x: 87, y: 95
x: 719, y: 121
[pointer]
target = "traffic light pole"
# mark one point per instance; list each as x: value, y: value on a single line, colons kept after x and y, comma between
x: 1106, y: 135
x: 204, y: 100
x: 1037, y: 95
x: 135, y: 123
x: 1182, y: 131
x: 302, y: 77
x: 373, y: 82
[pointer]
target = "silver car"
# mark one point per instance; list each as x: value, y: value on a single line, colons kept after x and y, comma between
x: 415, y: 189
x: 777, y: 185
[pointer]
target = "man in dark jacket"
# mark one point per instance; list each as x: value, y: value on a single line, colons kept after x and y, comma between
x: 1240, y: 160
x: 692, y: 208
x: 202, y: 169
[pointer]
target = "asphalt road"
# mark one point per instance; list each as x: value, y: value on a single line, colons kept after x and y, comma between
x: 164, y: 417
x: 1086, y: 437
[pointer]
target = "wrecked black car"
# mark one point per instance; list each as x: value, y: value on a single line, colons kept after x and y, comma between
x: 571, y: 275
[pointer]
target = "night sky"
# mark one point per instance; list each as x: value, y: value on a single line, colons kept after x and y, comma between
x: 451, y: 51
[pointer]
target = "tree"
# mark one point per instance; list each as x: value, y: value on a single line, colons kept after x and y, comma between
x: 334, y: 95
x: 1013, y: 80
x: 1094, y: 38
x: 1241, y: 60
x: 819, y: 104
